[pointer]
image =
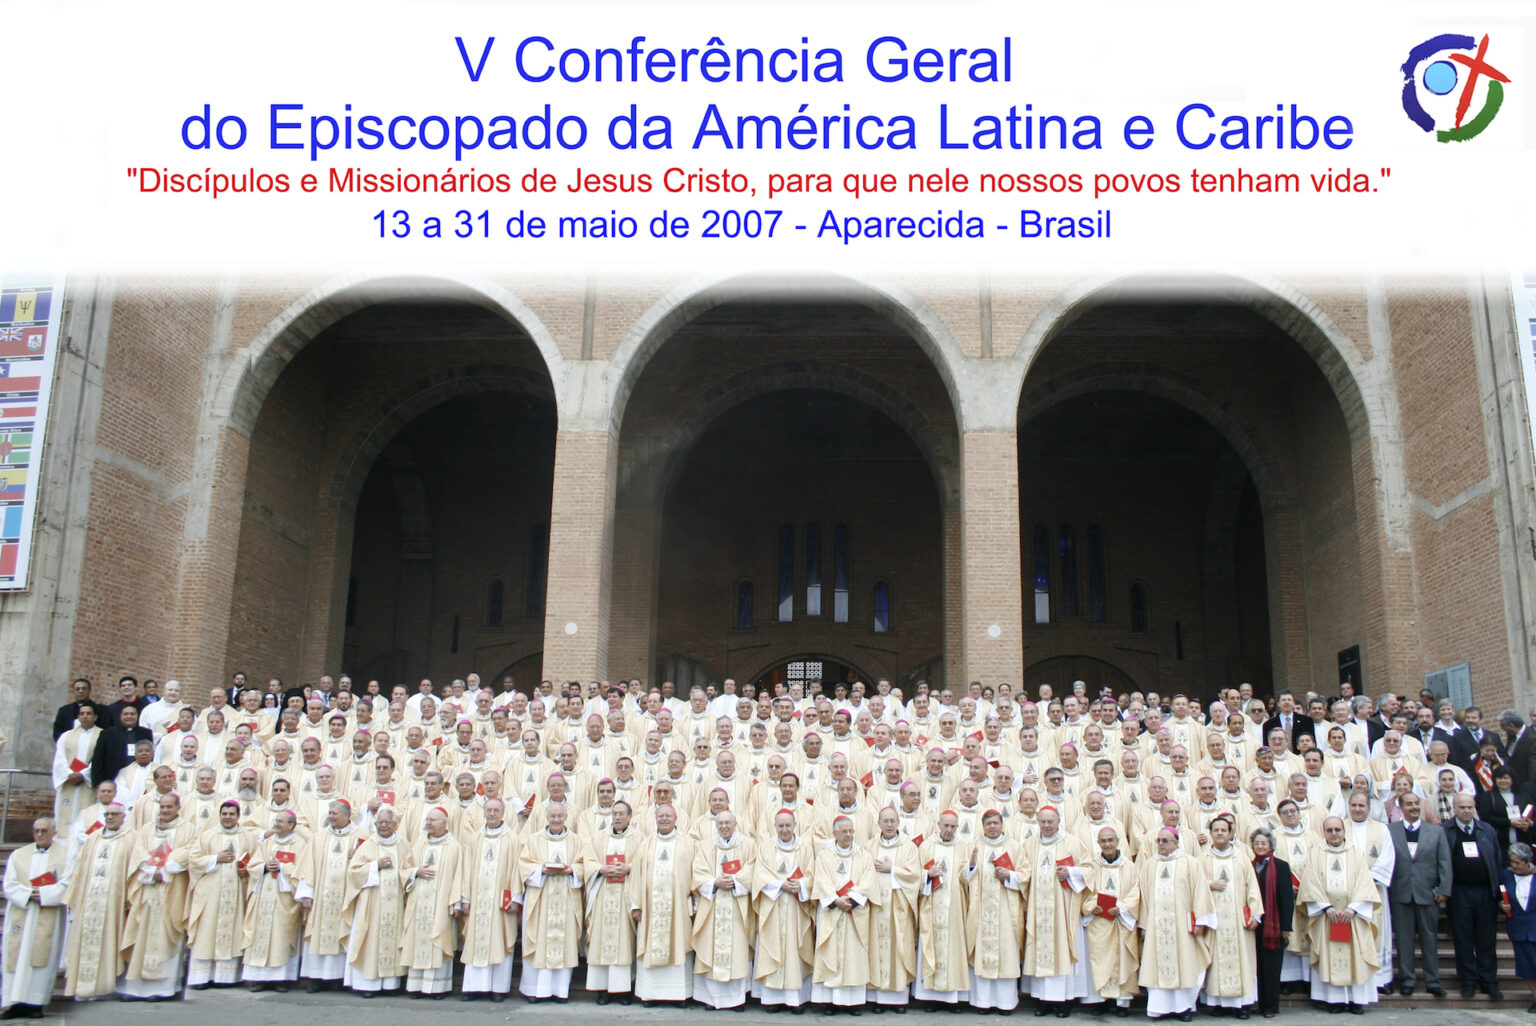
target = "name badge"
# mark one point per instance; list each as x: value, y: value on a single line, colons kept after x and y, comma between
x: 1469, y: 849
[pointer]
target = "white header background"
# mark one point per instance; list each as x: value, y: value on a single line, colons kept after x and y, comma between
x: 93, y: 89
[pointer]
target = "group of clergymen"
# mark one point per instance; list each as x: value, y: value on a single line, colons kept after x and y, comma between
x: 847, y: 852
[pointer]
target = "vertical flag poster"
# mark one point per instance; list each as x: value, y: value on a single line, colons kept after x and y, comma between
x: 1524, y: 287
x: 30, y: 309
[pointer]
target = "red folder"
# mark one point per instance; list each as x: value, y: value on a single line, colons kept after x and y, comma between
x: 1247, y: 918
x: 387, y: 797
x: 93, y: 828
x: 978, y: 735
x: 243, y: 860
x: 1068, y: 861
x: 731, y: 868
x: 614, y: 860
x: 845, y: 889
x: 1340, y: 932
x: 868, y: 780
x: 46, y: 880
x: 287, y: 858
x: 1108, y: 904
x: 869, y: 741
x: 796, y: 875
x: 918, y: 840
x: 938, y: 881
x: 922, y: 739
x: 528, y: 805
x: 1003, y: 861
x: 160, y: 856
x: 78, y: 765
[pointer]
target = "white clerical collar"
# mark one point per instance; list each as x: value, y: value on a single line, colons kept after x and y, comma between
x: 841, y: 851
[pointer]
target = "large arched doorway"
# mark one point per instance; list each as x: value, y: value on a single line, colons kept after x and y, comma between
x: 1187, y: 503
x: 397, y: 499
x: 787, y: 485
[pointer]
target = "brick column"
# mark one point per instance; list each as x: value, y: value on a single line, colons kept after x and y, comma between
x: 993, y: 579
x: 581, y: 527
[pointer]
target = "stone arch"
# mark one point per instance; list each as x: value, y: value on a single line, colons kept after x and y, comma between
x: 254, y: 369
x: 693, y: 298
x: 1330, y: 347
x: 410, y: 402
x: 940, y: 451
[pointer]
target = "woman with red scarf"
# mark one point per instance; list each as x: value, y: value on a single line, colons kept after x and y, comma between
x: 1278, y: 889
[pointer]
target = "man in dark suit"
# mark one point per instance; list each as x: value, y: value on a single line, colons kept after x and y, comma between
x: 1520, y: 742
x: 128, y: 694
x: 1467, y: 745
x: 1474, y: 901
x: 1505, y: 808
x: 1361, y: 708
x: 79, y: 694
x: 1294, y: 722
x: 1421, y: 883
x: 115, y: 748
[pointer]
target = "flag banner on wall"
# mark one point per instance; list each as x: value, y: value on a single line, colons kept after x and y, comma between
x: 30, y: 309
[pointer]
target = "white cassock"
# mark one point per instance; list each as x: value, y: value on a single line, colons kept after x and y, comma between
x: 24, y: 982
x: 1383, y: 862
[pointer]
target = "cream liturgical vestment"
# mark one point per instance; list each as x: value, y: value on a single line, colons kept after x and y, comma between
x: 97, y: 895
x: 842, y: 937
x: 893, y: 922
x: 1175, y: 898
x: 943, y: 962
x: 552, y: 912
x: 1233, y: 979
x: 430, y: 934
x: 273, y: 915
x: 157, y: 917
x: 34, y: 930
x: 216, y: 916
x: 323, y: 880
x: 1113, y: 901
x: 724, y: 924
x: 786, y: 922
x: 610, y: 928
x: 664, y: 874
x: 1345, y: 957
x: 1052, y: 966
x: 994, y: 920
x: 488, y: 881
x: 375, y: 912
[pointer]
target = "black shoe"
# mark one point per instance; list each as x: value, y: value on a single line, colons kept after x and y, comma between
x: 899, y: 1009
x: 315, y: 986
x: 1469, y: 992
x: 498, y: 998
x: 1355, y: 1009
x: 1335, y: 1009
x: 34, y: 1012
x: 1406, y: 990
x: 1041, y: 1011
x: 1532, y: 1008
x: 1495, y: 993
x: 1433, y: 988
x: 1384, y: 991
x: 281, y: 988
x: 874, y: 1009
x: 627, y: 999
x: 1063, y: 1011
x: 369, y: 993
x: 1121, y: 1012
x: 798, y: 1010
x: 469, y: 997
x: 1242, y: 1013
x: 1186, y: 1016
x: 602, y: 999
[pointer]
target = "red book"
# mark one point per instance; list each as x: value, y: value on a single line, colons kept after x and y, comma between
x: 1247, y: 918
x: 938, y: 881
x: 160, y: 856
x: 243, y: 860
x: 614, y: 860
x: 387, y: 797
x: 731, y: 868
x: 1340, y: 932
x: 796, y: 875
x: 869, y: 741
x: 479, y: 789
x: 918, y: 840
x: 1108, y: 904
x: 978, y: 735
x: 253, y: 725
x: 1068, y: 861
x: 993, y: 763
x: 1296, y: 881
x: 287, y: 858
x: 922, y: 739
x: 845, y: 889
x: 529, y: 803
x: 868, y: 780
x: 93, y: 828
x: 506, y: 901
x: 46, y: 880
x: 78, y: 765
x: 1003, y: 861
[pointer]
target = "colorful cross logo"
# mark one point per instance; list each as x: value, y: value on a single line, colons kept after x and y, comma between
x: 1439, y: 77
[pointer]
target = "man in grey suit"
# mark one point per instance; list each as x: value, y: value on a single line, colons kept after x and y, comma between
x: 1421, y: 883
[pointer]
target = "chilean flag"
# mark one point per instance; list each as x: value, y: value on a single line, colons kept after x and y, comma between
x: 14, y: 379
